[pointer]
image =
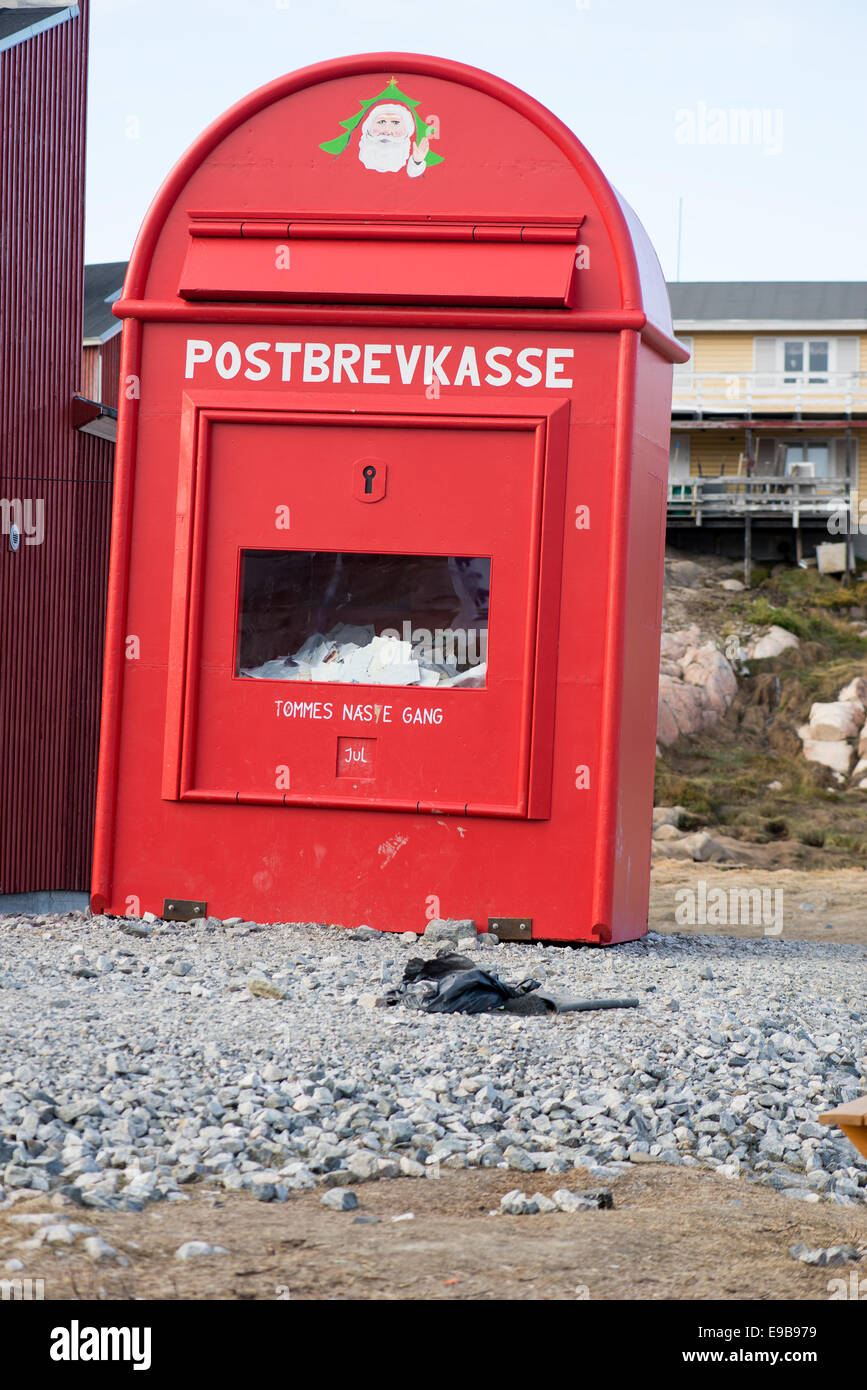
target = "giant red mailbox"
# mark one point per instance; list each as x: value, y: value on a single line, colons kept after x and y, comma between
x: 386, y: 571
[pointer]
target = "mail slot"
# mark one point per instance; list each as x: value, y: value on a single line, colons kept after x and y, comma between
x: 383, y: 629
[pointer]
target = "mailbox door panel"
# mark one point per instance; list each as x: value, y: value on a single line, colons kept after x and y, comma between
x: 361, y: 624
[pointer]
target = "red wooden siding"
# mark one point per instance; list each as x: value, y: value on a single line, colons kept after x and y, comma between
x: 52, y: 594
x: 111, y: 371
x: 100, y: 371
x: 91, y: 357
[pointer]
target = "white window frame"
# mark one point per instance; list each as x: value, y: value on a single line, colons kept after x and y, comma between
x: 679, y: 451
x: 805, y: 379
x: 770, y: 376
x: 804, y: 445
x: 835, y: 444
x: 684, y: 372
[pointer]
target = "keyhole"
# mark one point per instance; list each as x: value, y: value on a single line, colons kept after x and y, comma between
x: 368, y: 474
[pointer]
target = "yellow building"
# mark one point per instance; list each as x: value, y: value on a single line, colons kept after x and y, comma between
x: 767, y: 416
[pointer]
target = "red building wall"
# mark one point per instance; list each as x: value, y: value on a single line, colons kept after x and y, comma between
x: 100, y: 371
x: 52, y: 593
x: 111, y: 371
x: 90, y: 371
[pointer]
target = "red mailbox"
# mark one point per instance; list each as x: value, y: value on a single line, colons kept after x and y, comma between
x: 386, y: 571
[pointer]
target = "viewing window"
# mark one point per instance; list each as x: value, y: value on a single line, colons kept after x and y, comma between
x: 357, y: 619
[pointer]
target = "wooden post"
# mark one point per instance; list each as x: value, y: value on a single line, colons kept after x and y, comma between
x: 850, y: 556
x: 748, y: 548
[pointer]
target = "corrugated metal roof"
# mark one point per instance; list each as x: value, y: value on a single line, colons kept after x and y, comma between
x: 101, y: 282
x: 15, y: 23
x: 768, y: 299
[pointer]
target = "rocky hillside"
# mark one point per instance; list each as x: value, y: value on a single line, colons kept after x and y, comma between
x: 762, y: 747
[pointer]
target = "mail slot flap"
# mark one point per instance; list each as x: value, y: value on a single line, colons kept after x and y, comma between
x: 456, y: 263
x: 323, y: 227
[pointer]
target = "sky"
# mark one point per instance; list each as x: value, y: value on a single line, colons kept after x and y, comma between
x: 742, y: 123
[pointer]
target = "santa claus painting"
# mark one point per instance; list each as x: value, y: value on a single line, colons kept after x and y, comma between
x: 388, y: 141
x: 393, y: 137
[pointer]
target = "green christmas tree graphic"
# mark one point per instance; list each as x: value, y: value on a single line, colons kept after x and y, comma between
x: 390, y: 93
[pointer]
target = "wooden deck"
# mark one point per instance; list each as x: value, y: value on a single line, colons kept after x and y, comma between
x: 797, y: 500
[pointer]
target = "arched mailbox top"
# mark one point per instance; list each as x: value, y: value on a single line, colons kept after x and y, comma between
x: 395, y: 180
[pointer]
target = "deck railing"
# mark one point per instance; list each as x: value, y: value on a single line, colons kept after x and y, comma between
x: 697, y: 498
x: 754, y: 392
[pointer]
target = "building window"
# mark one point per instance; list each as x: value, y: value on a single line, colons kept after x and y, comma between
x: 806, y: 460
x: 805, y: 361
x: 678, y: 457
x: 802, y: 362
x: 683, y: 371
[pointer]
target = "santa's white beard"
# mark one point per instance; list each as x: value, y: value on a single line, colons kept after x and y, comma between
x: 384, y: 153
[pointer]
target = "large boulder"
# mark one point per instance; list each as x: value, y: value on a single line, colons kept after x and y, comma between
x: 699, y: 847
x: 839, y: 719
x: 670, y: 849
x: 707, y: 667
x: 674, y: 644
x: 680, y: 709
x: 775, y: 641
x: 855, y: 690
x: 696, y: 698
x: 836, y: 754
x: 686, y: 573
x: 704, y: 847
x: 666, y: 724
x: 668, y: 832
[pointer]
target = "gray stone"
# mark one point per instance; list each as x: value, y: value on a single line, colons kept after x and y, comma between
x: 15, y: 1176
x: 339, y: 1199
x: 543, y: 1203
x: 131, y: 927
x: 196, y: 1249
x: 78, y: 1109
x: 517, y: 1203
x: 372, y: 1001
x: 572, y: 1202
x: 449, y: 929
x: 833, y: 1255
x: 519, y: 1159
x: 265, y: 988
x: 97, y: 1249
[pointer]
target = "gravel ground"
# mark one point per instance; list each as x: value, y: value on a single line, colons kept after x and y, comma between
x: 138, y: 1058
